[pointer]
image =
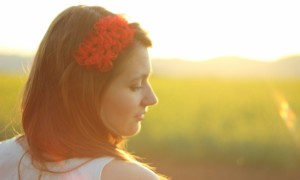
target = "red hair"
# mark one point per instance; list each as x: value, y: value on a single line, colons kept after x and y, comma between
x: 60, y: 107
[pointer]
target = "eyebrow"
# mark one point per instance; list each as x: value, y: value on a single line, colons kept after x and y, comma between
x: 142, y: 76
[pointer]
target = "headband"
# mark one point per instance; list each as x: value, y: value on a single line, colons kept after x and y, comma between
x: 109, y: 37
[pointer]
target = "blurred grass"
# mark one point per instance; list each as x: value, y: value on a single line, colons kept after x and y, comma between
x: 200, y: 119
x: 227, y: 120
x: 10, y: 97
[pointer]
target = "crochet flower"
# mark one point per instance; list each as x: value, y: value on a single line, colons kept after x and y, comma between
x: 110, y: 35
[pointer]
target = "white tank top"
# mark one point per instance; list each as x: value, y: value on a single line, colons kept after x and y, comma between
x: 11, y: 153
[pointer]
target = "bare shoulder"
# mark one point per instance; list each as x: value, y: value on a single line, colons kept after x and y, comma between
x: 118, y: 169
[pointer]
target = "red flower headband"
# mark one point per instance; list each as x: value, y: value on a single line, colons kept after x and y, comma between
x: 111, y: 34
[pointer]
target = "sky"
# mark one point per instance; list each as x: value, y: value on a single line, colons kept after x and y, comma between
x: 263, y: 30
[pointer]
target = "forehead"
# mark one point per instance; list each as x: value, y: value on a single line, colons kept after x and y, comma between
x: 138, y: 63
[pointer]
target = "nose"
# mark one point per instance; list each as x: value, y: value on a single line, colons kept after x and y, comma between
x: 150, y: 97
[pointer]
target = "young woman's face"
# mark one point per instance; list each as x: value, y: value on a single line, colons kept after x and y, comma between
x: 125, y: 101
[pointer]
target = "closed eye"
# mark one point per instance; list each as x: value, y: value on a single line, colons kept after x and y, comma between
x: 136, y: 88
x: 140, y: 82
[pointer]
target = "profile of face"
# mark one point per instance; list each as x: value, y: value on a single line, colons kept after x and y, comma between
x: 127, y: 98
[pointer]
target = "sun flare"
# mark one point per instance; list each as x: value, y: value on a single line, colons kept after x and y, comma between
x: 288, y: 116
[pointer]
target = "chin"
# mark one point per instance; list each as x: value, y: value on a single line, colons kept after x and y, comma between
x: 132, y: 132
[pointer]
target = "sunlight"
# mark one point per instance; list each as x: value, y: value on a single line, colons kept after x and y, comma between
x: 288, y: 116
x: 188, y: 30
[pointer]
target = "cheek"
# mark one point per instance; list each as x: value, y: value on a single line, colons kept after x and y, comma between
x: 118, y: 111
x: 120, y: 104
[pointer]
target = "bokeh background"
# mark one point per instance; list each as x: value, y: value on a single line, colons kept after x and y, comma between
x: 226, y: 72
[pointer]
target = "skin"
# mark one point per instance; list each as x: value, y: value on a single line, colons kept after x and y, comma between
x: 123, y: 107
x: 127, y: 98
x: 118, y: 169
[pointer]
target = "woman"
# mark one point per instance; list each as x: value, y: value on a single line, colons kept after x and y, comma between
x: 88, y: 89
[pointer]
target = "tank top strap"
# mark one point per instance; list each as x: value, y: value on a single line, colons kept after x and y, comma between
x: 95, y: 167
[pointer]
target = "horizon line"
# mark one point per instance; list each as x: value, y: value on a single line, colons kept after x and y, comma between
x: 161, y: 57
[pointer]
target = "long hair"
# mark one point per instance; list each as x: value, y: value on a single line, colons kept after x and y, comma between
x: 61, y: 102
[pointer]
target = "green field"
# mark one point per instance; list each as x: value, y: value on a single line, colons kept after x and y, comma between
x: 10, y: 98
x: 235, y: 121
x: 230, y: 120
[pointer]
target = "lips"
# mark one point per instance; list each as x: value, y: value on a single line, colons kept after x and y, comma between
x: 140, y: 116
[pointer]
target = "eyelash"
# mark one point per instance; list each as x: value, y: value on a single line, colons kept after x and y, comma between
x: 135, y: 88
x: 139, y: 85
